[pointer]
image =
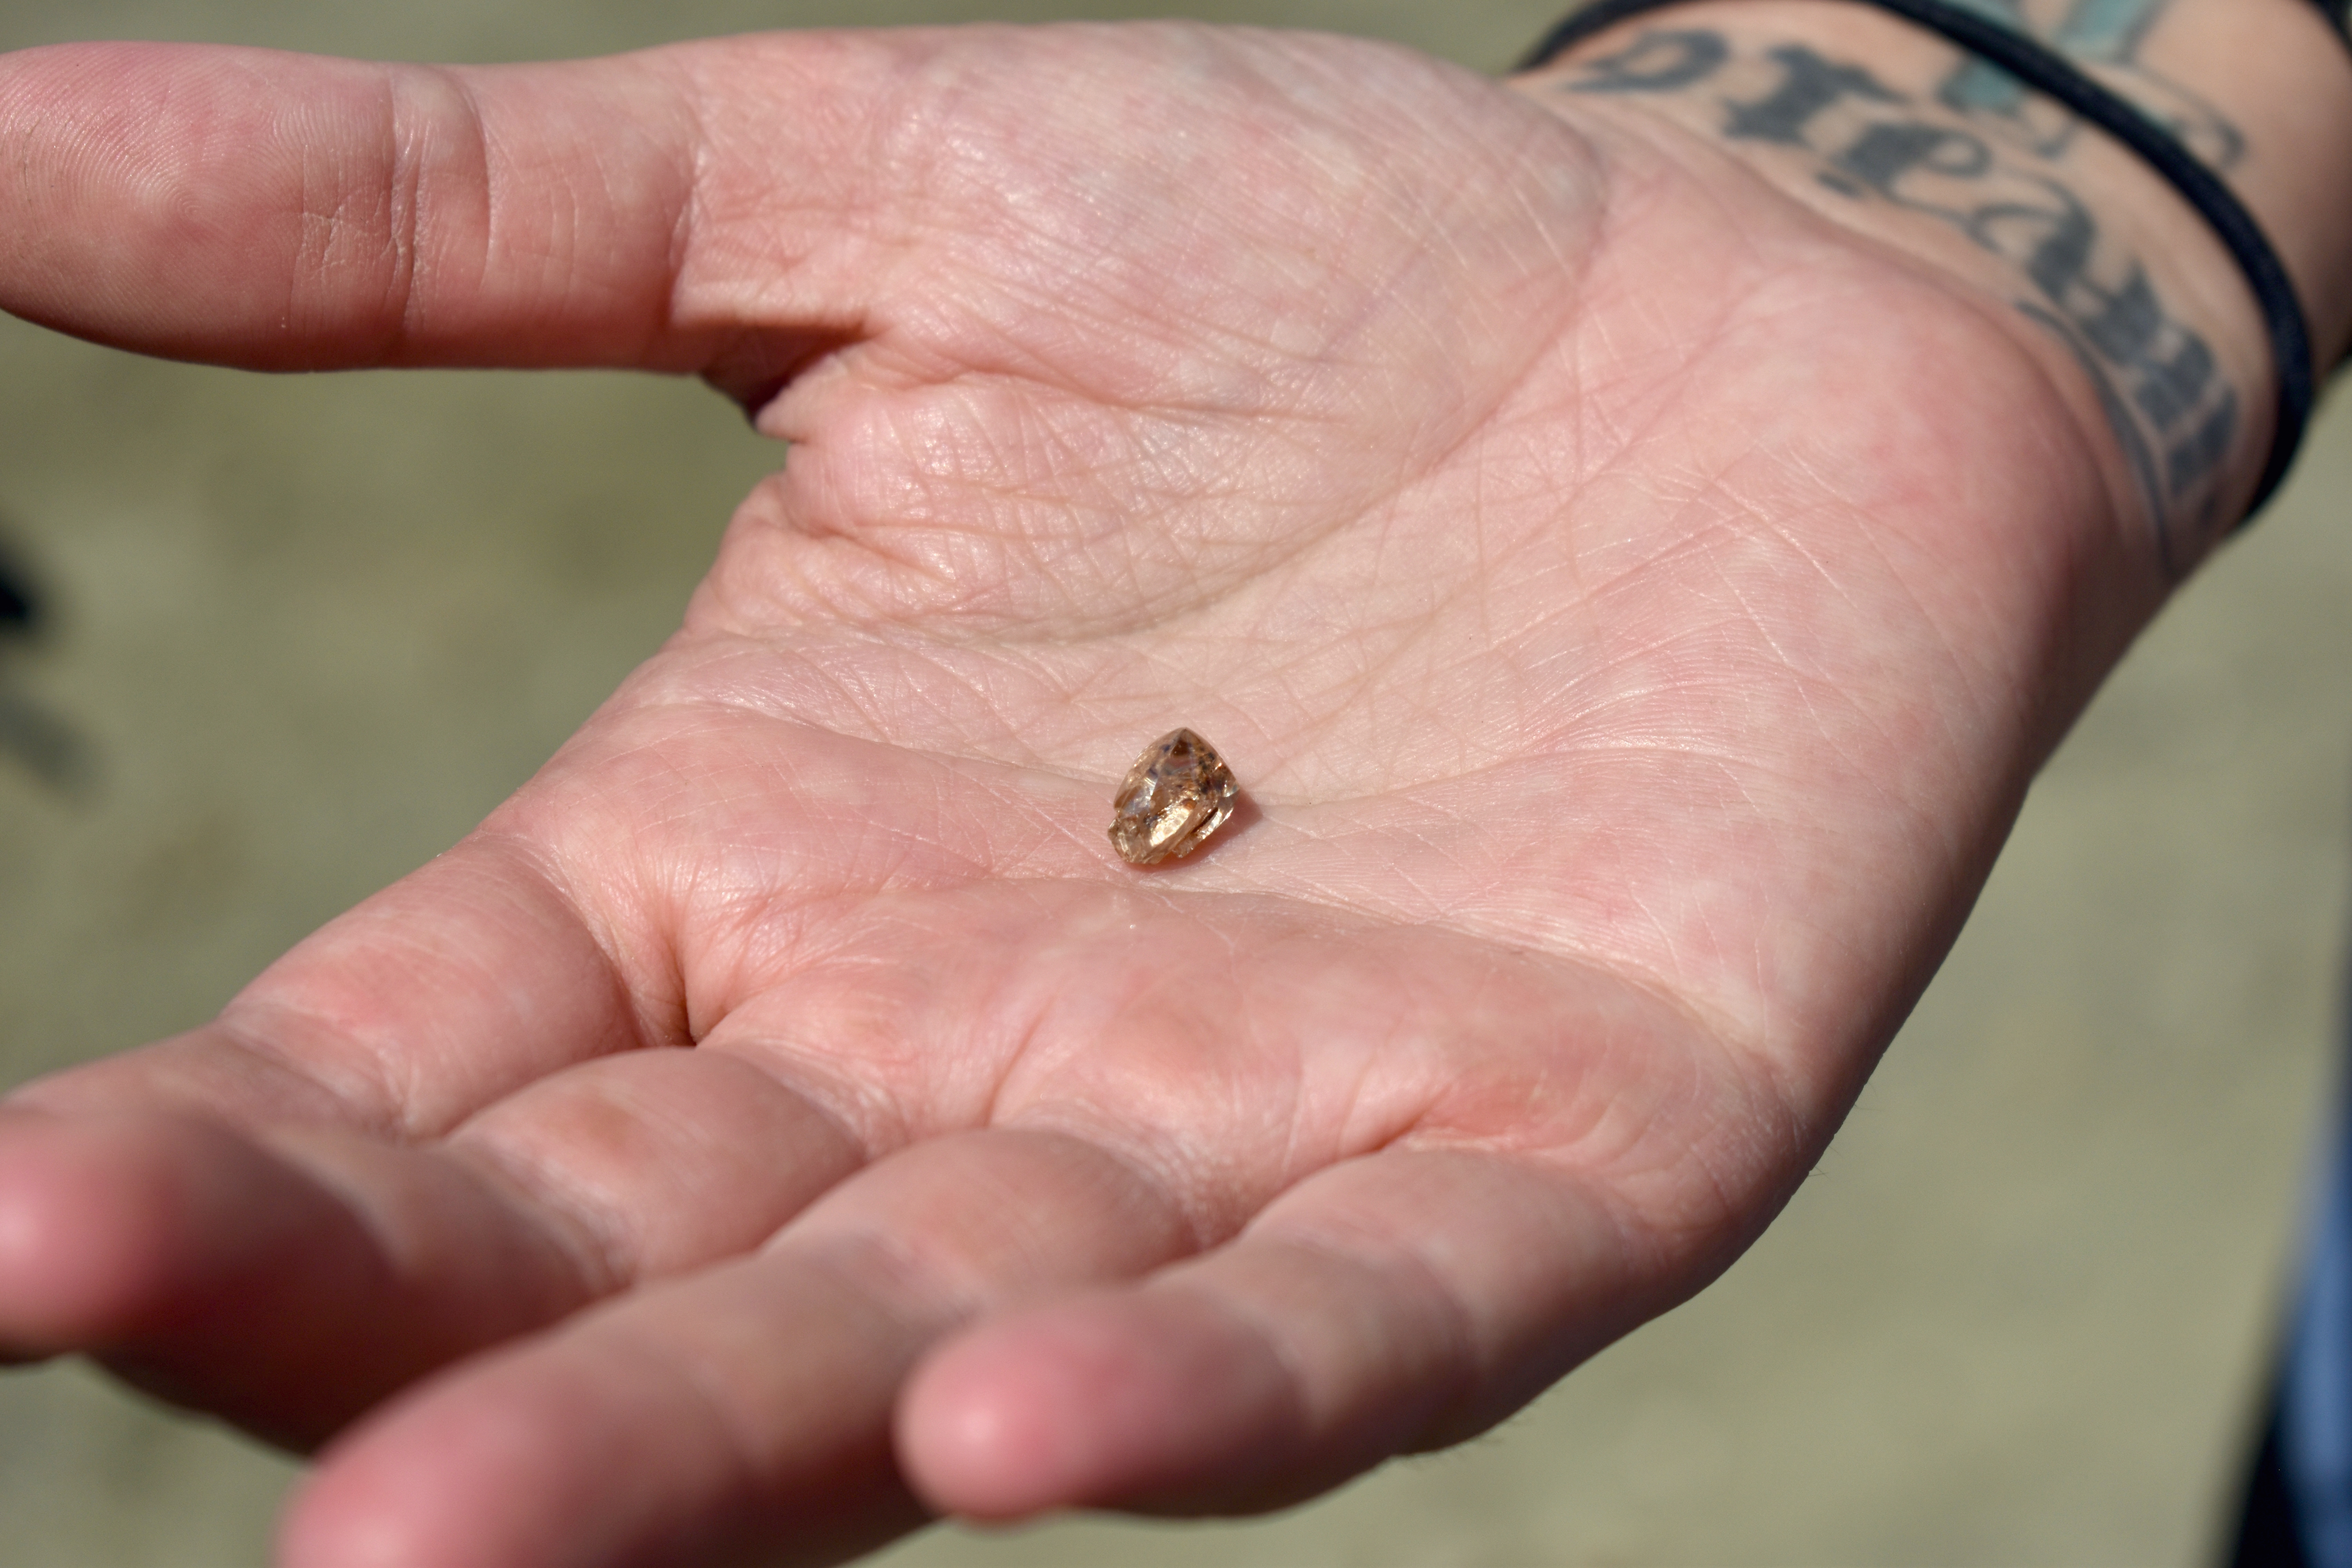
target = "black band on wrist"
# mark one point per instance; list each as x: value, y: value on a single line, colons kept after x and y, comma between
x: 2052, y: 75
x: 2339, y: 16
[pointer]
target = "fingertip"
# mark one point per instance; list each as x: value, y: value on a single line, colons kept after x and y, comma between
x: 437, y: 1489
x: 524, y: 1456
x: 1156, y: 1402
x: 978, y: 1437
x: 559, y: 1451
x: 88, y: 1228
x: 322, y: 1523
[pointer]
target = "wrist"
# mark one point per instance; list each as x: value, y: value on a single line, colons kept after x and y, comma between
x: 2276, y: 72
x: 2078, y: 246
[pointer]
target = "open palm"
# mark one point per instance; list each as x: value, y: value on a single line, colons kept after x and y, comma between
x: 1629, y: 661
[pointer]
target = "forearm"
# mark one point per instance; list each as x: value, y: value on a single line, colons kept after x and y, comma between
x: 2108, y: 273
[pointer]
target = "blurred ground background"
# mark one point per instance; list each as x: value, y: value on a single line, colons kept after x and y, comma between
x: 303, y: 632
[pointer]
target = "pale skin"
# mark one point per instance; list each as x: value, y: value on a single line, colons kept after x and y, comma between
x: 787, y: 1117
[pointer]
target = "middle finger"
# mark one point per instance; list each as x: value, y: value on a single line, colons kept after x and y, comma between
x: 745, y: 1405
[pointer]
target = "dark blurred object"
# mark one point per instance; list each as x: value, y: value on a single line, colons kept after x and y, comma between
x: 2268, y: 1535
x: 47, y: 746
x: 20, y: 606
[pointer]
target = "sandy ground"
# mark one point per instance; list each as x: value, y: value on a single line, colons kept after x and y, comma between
x: 308, y: 630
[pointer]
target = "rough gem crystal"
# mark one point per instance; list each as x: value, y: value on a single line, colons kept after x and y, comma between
x: 1178, y: 791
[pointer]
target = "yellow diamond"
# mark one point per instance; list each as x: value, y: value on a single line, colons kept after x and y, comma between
x: 1178, y: 791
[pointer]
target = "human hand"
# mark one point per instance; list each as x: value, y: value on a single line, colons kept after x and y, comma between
x: 1631, y: 662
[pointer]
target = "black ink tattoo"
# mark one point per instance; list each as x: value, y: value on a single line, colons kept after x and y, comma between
x: 1809, y: 85
x: 2174, y: 414
x: 2104, y: 36
x: 1658, y: 62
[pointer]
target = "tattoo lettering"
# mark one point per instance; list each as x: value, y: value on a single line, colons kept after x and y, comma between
x: 2105, y: 37
x: 1809, y: 86
x: 2173, y: 412
x: 1658, y: 62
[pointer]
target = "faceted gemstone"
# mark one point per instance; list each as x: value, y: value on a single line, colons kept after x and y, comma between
x: 1178, y: 791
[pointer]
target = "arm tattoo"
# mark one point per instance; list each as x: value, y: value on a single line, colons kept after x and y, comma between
x: 2103, y: 36
x: 1991, y: 179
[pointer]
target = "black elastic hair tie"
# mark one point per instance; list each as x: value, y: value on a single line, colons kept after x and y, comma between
x: 2339, y: 16
x: 2052, y: 75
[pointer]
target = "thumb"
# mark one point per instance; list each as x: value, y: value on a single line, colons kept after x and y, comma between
x: 285, y: 212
